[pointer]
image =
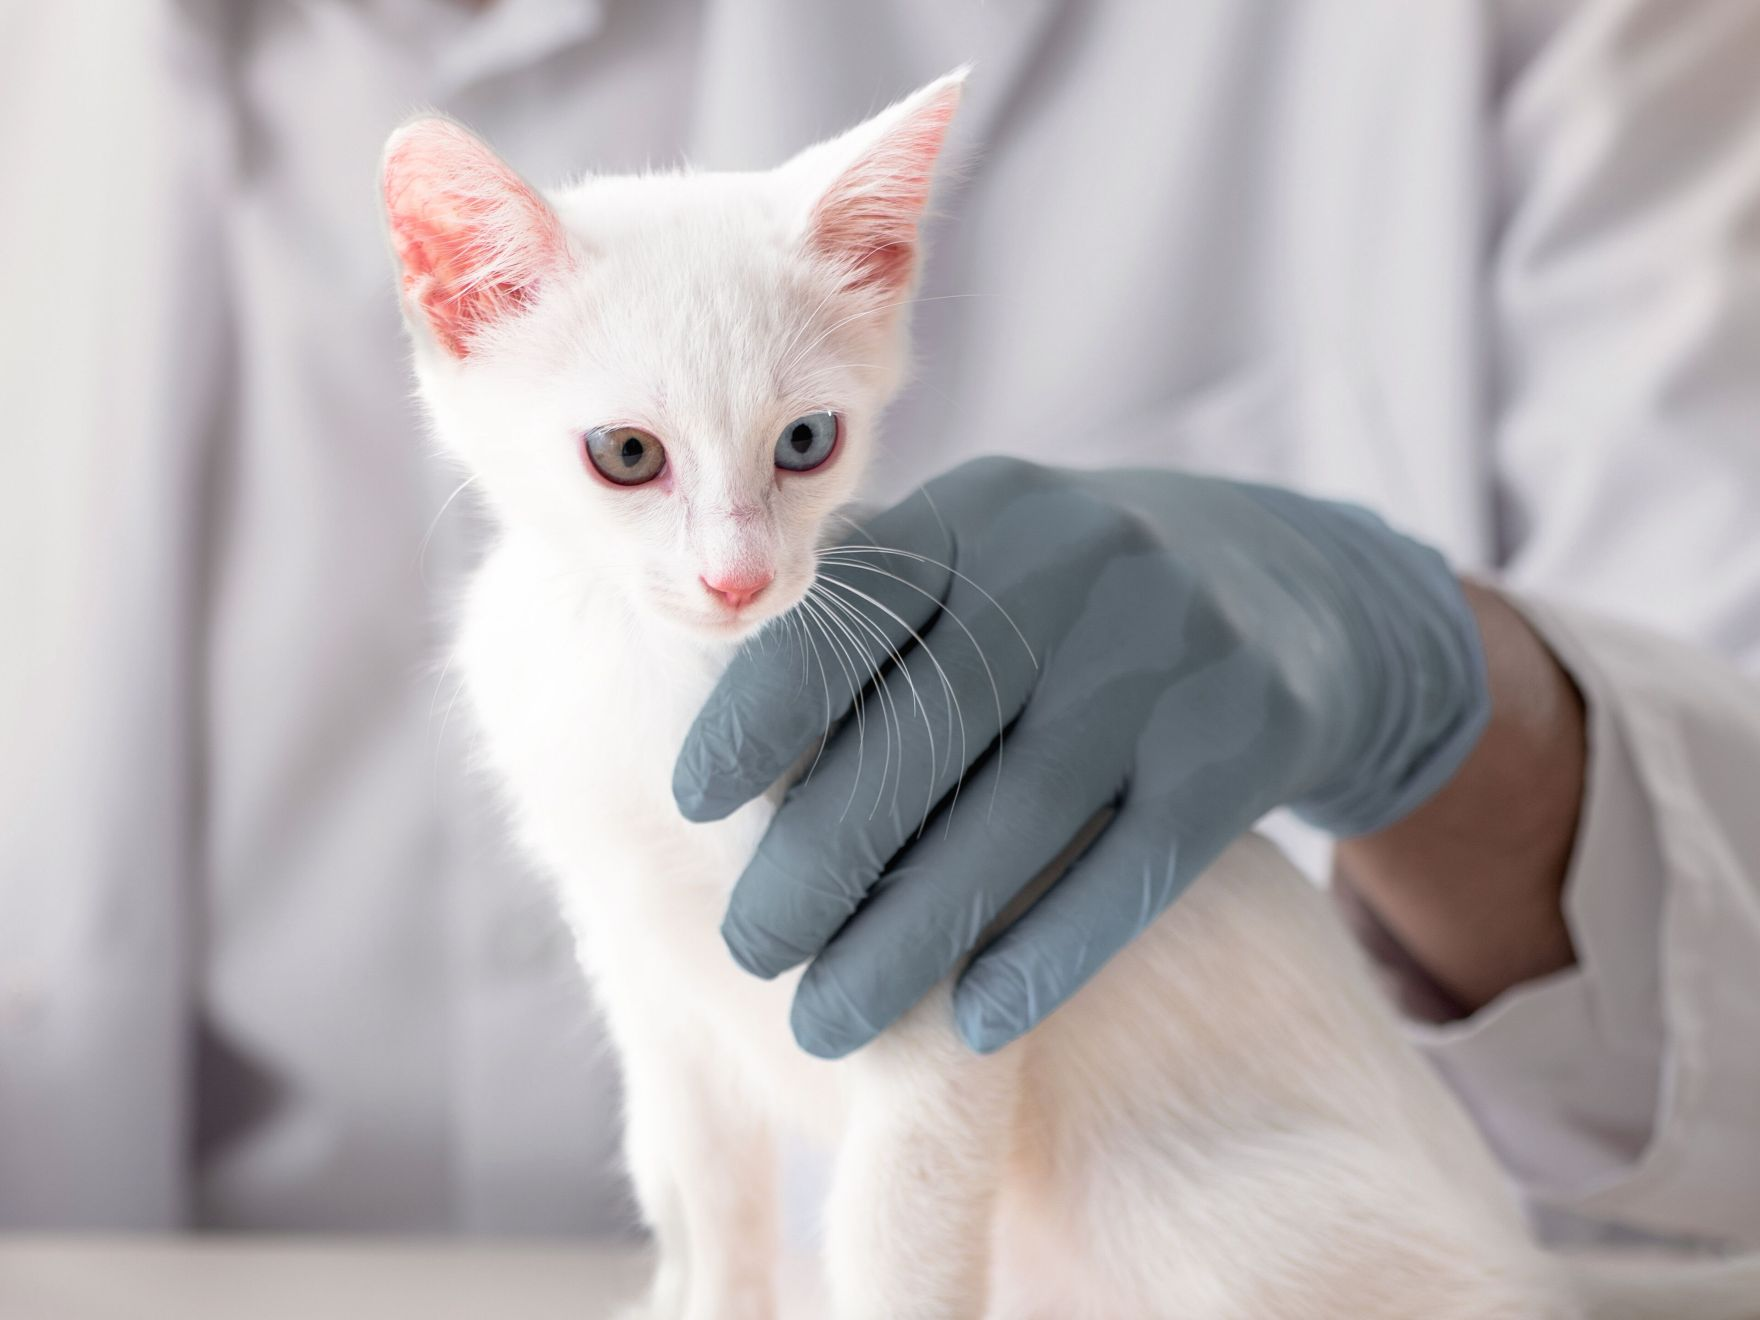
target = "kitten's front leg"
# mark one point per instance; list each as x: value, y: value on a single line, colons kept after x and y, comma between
x: 931, y: 1124
x: 703, y: 1165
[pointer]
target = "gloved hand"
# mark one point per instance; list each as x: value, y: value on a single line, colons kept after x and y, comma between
x: 1187, y: 651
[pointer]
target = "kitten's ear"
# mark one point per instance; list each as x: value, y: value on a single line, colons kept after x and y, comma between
x: 474, y: 240
x: 871, y: 187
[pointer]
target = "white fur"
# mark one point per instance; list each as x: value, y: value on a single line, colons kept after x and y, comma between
x: 1224, y: 1123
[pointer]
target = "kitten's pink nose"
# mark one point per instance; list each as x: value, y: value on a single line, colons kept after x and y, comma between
x: 738, y: 589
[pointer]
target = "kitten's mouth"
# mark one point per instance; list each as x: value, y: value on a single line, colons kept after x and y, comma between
x: 734, y: 623
x: 730, y: 623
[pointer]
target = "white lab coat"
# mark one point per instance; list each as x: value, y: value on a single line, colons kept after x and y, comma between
x: 1491, y: 269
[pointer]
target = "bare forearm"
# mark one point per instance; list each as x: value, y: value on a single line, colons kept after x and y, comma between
x: 1471, y: 884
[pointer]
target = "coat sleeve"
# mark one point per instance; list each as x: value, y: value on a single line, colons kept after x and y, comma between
x: 1627, y: 1088
x: 1626, y: 327
x: 110, y: 357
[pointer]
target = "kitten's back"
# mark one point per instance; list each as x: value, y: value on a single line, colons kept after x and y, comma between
x: 1226, y: 1122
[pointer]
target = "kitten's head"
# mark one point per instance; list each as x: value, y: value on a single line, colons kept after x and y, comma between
x: 672, y: 379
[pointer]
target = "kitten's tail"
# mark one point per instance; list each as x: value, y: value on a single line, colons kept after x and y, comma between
x: 1650, y: 1290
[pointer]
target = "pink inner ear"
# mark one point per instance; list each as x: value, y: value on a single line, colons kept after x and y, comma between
x: 867, y: 220
x: 473, y: 238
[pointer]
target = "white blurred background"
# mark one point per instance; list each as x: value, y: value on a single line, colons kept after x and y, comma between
x: 265, y: 962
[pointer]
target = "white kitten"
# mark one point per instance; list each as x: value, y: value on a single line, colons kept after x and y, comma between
x: 1225, y: 1123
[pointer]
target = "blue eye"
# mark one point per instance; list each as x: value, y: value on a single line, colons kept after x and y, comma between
x: 807, y: 442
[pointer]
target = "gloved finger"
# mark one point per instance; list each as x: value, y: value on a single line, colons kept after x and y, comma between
x: 929, y: 719
x: 772, y: 703
x: 1013, y: 819
x: 1114, y: 890
x: 1201, y: 778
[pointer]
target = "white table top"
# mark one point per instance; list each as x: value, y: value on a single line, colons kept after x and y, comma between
x: 276, y: 1278
x: 265, y: 1278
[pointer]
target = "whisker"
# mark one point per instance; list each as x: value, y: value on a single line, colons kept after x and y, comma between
x: 795, y: 628
x: 880, y: 683
x: 852, y: 669
x: 877, y: 549
x: 916, y: 699
x: 422, y: 549
x: 953, y: 696
x: 887, y: 704
x: 816, y: 612
x: 935, y: 509
x: 983, y: 657
x: 445, y: 669
x: 825, y: 684
x: 440, y: 738
x: 830, y: 555
x: 825, y: 558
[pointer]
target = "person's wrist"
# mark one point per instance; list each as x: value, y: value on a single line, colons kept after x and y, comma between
x: 1470, y: 884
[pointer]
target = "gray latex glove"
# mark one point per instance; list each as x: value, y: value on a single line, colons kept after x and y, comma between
x: 1186, y: 651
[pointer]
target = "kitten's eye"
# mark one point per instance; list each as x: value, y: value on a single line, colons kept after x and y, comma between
x: 806, y: 442
x: 625, y: 455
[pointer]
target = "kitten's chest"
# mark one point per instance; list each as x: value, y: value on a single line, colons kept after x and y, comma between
x: 582, y: 712
x: 582, y: 726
